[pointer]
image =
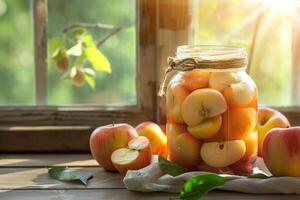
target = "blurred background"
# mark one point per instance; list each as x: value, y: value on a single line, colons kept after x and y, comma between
x: 264, y: 27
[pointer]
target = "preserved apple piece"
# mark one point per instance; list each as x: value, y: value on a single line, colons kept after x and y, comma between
x: 207, y: 128
x: 202, y: 104
x: 222, y: 154
x: 195, y: 79
x: 238, y: 123
x: 183, y: 148
x: 176, y: 93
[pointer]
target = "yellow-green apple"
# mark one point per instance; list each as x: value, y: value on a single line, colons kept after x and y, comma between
x: 136, y: 156
x: 195, y: 79
x: 238, y: 123
x: 176, y: 93
x: 106, y: 139
x: 269, y: 118
x: 281, y: 151
x: 222, y: 154
x: 202, y: 104
x: 207, y: 128
x: 156, y: 136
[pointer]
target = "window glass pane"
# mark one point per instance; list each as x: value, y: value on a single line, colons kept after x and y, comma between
x: 16, y: 53
x: 264, y: 28
x: 117, y: 88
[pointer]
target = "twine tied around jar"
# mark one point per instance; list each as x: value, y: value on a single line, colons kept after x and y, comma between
x: 187, y: 64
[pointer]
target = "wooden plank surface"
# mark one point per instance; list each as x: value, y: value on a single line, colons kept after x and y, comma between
x: 122, y: 194
x: 44, y: 160
x: 25, y: 177
x: 38, y: 178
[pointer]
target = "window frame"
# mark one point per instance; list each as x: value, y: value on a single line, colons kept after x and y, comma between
x: 22, y: 125
x: 43, y: 114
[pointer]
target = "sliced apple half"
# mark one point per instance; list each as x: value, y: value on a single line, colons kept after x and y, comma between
x: 202, y: 104
x: 222, y: 154
x: 138, y: 155
x: 207, y: 128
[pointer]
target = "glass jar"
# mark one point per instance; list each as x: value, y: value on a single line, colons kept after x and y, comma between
x: 211, y: 110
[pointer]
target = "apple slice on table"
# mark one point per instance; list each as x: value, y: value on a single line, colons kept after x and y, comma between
x: 176, y: 93
x: 202, y: 104
x: 156, y: 136
x: 136, y: 156
x: 207, y: 128
x: 222, y: 154
x: 269, y: 118
x: 195, y: 79
x: 106, y: 139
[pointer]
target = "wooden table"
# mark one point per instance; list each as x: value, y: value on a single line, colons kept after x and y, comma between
x: 25, y: 177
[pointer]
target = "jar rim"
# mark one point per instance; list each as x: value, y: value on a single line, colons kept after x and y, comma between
x: 216, y: 51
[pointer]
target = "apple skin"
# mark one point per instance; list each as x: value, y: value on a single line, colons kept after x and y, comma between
x: 269, y: 118
x: 281, y: 151
x: 106, y: 139
x: 155, y: 135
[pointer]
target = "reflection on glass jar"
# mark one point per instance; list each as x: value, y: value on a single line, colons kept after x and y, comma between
x: 212, y: 110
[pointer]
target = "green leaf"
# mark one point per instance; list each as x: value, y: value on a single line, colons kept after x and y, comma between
x: 97, y: 59
x: 79, y: 33
x: 90, y: 77
x: 169, y: 167
x: 66, y: 174
x: 259, y: 175
x: 79, y: 60
x: 195, y: 187
x: 76, y: 50
x: 56, y: 47
x: 94, y: 55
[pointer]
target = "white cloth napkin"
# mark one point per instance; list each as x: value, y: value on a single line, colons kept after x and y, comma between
x: 151, y: 178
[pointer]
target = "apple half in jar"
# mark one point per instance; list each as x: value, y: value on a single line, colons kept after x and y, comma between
x: 222, y: 154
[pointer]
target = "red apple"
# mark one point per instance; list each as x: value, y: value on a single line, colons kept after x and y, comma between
x: 106, y: 139
x: 156, y: 136
x: 269, y: 118
x: 281, y: 151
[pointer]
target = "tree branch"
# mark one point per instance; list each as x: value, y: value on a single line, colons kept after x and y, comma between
x: 89, y: 25
x: 115, y: 31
